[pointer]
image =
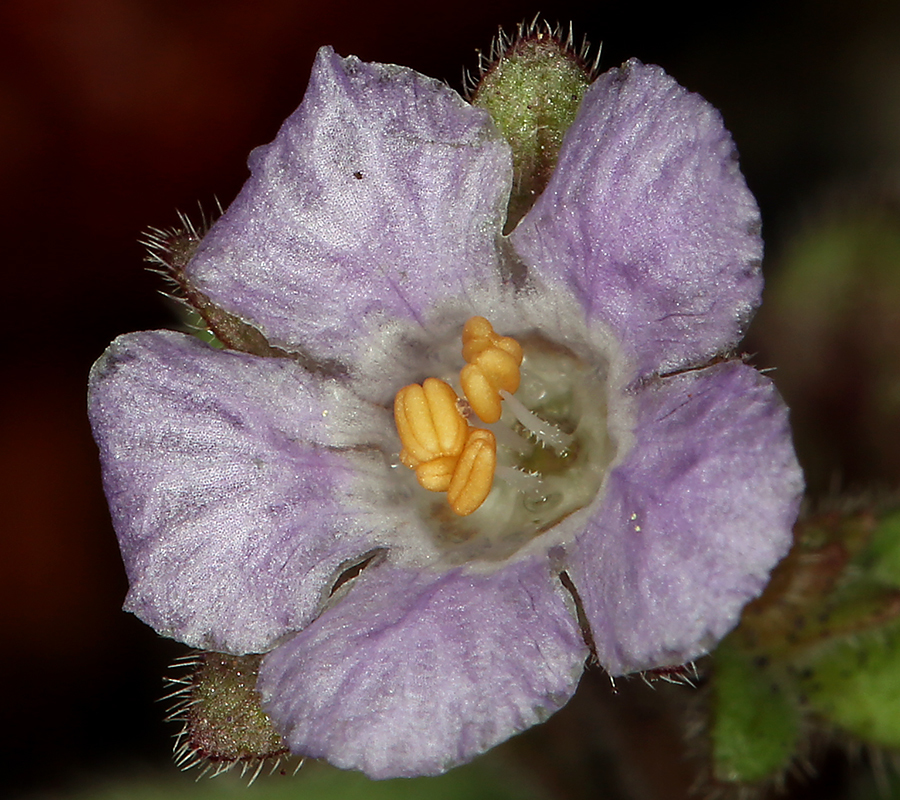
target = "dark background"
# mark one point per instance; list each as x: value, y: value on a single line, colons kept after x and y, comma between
x: 115, y: 113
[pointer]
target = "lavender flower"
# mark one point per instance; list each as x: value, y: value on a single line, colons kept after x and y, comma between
x: 642, y: 472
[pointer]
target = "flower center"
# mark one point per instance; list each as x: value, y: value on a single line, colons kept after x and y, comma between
x: 526, y: 448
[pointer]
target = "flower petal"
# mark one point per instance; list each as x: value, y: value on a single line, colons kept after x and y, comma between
x: 231, y: 517
x: 692, y: 521
x: 649, y: 221
x: 413, y: 673
x: 381, y: 194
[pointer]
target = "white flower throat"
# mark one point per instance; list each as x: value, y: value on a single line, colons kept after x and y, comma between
x: 528, y: 445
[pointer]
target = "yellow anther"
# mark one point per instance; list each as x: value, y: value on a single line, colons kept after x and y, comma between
x: 481, y: 394
x: 474, y: 474
x: 435, y: 475
x: 429, y: 422
x: 446, y: 453
x: 493, y: 365
x: 478, y: 334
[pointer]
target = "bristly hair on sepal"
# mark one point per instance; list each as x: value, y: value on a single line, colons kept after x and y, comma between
x: 170, y: 249
x: 538, y: 30
x: 680, y: 675
x: 532, y: 86
x: 223, y: 726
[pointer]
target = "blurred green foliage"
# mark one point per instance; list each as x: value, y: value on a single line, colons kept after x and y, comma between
x: 314, y: 782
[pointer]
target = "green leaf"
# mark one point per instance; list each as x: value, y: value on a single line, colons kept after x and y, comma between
x: 881, y: 559
x: 755, y: 725
x: 855, y: 684
x: 477, y: 781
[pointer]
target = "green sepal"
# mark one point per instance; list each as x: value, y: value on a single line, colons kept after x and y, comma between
x: 533, y: 90
x: 755, y: 724
x: 224, y: 722
x: 221, y: 329
x: 170, y: 250
x: 197, y: 327
x: 853, y: 681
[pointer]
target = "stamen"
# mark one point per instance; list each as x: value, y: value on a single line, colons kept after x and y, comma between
x: 478, y: 335
x: 548, y: 448
x: 474, y: 475
x: 493, y: 366
x: 545, y: 431
x: 435, y: 475
x: 429, y: 422
x: 447, y: 454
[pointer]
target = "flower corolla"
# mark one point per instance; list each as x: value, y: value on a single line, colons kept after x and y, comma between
x: 645, y: 478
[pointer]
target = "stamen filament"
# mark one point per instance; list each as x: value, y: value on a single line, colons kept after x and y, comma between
x: 509, y: 439
x: 549, y: 445
x: 546, y: 432
x: 519, y: 479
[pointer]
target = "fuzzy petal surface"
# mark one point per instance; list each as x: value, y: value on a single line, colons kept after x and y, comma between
x: 649, y: 221
x: 232, y: 517
x: 383, y: 193
x: 415, y: 672
x: 692, y: 521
